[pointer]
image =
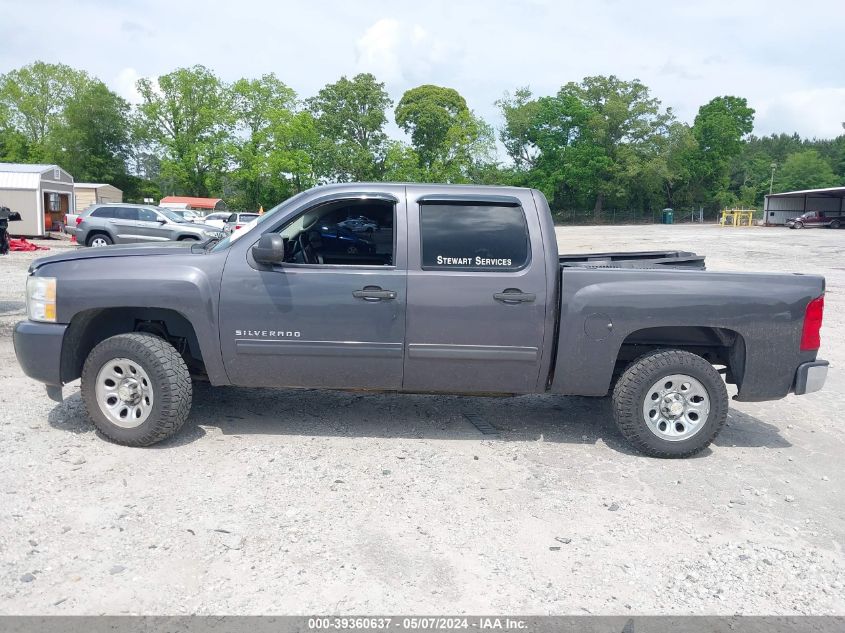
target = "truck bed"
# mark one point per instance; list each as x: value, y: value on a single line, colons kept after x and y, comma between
x: 637, y: 259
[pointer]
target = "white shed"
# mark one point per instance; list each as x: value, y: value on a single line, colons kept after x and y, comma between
x: 88, y: 193
x: 42, y: 194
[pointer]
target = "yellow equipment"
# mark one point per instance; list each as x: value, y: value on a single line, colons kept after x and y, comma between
x: 736, y: 217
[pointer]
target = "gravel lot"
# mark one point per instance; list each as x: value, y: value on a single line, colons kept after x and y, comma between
x: 303, y: 502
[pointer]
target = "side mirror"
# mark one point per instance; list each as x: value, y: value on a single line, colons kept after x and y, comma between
x: 162, y: 221
x: 270, y: 249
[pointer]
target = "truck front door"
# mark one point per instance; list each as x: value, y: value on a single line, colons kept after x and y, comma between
x: 476, y: 293
x: 333, y: 314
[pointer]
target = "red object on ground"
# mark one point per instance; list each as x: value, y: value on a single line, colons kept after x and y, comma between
x: 73, y: 239
x: 24, y: 245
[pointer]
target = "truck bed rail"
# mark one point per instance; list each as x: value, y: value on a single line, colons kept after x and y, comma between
x: 640, y: 259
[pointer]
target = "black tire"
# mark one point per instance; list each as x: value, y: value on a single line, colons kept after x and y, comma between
x: 169, y: 378
x: 632, y: 389
x: 103, y: 236
x: 188, y: 238
x: 835, y: 224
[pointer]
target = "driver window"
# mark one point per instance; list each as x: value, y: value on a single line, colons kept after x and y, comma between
x: 147, y: 215
x: 346, y: 233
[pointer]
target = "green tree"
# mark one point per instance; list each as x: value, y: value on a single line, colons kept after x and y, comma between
x: 595, y: 141
x: 624, y: 126
x: 448, y: 138
x: 271, y: 150
x: 33, y: 101
x: 719, y: 130
x: 92, y: 140
x: 350, y: 118
x: 187, y: 116
x: 520, y: 113
x: 805, y: 170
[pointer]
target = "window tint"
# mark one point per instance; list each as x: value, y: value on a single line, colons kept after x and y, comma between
x: 233, y: 217
x: 147, y: 215
x: 103, y: 212
x: 324, y: 235
x: 126, y: 213
x: 473, y: 237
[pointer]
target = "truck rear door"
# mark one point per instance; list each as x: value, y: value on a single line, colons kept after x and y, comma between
x: 476, y: 293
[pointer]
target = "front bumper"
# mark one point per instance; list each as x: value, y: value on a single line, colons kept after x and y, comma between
x: 38, y: 347
x: 810, y: 377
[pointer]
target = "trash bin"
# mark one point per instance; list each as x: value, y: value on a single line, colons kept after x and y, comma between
x: 668, y: 216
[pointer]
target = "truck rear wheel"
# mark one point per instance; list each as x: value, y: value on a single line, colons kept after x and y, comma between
x: 136, y: 388
x: 670, y: 403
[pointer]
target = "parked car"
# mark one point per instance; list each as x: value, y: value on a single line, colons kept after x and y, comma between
x: 472, y: 298
x: 816, y: 219
x: 217, y: 219
x: 360, y: 224
x: 186, y: 214
x: 237, y: 221
x: 120, y: 223
x: 340, y: 240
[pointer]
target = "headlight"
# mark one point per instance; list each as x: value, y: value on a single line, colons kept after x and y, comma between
x: 215, y: 234
x: 41, y: 299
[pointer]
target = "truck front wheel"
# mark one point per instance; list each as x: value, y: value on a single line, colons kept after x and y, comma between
x: 136, y: 388
x: 670, y: 403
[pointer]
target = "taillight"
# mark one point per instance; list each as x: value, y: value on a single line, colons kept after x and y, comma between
x: 78, y: 220
x: 810, y: 339
x: 237, y: 226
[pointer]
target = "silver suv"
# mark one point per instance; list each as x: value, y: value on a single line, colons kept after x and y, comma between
x: 104, y: 224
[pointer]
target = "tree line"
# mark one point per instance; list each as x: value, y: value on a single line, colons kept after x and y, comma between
x: 599, y: 145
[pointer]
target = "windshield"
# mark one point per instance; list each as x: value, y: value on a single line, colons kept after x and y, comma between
x: 170, y: 215
x: 252, y: 226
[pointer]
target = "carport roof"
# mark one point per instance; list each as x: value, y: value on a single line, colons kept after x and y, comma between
x: 831, y: 192
x: 198, y: 203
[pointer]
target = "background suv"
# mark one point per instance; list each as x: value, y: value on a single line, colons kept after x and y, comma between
x: 104, y: 224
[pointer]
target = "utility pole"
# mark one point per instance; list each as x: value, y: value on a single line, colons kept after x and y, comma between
x: 772, y: 179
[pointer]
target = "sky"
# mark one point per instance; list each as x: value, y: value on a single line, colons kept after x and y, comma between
x: 786, y: 58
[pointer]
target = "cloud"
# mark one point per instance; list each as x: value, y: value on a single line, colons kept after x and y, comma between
x: 125, y: 84
x: 817, y: 112
x: 399, y: 52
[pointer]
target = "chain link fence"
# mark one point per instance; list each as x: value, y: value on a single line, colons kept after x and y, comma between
x: 629, y: 216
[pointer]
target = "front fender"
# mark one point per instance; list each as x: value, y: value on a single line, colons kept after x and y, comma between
x: 187, y: 283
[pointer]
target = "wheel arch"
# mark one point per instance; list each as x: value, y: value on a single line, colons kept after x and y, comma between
x: 718, y: 346
x: 90, y: 327
x: 94, y: 232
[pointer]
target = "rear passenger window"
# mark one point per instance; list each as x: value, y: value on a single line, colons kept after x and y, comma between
x: 473, y: 237
x: 126, y: 213
x: 103, y: 212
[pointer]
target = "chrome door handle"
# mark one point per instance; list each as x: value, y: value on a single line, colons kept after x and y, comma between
x: 515, y: 295
x: 373, y: 293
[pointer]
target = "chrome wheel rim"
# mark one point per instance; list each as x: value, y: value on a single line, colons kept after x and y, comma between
x: 676, y: 407
x: 97, y: 242
x: 124, y: 393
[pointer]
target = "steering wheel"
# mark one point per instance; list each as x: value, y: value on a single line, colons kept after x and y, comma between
x: 308, y: 255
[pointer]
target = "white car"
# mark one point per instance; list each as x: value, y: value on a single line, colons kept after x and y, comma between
x: 237, y: 221
x: 217, y: 219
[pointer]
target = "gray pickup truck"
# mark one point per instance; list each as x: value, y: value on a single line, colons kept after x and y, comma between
x: 461, y: 290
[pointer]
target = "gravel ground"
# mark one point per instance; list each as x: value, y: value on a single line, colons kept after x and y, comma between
x: 303, y: 502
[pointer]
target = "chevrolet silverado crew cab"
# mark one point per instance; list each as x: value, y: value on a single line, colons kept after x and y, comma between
x: 461, y: 290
